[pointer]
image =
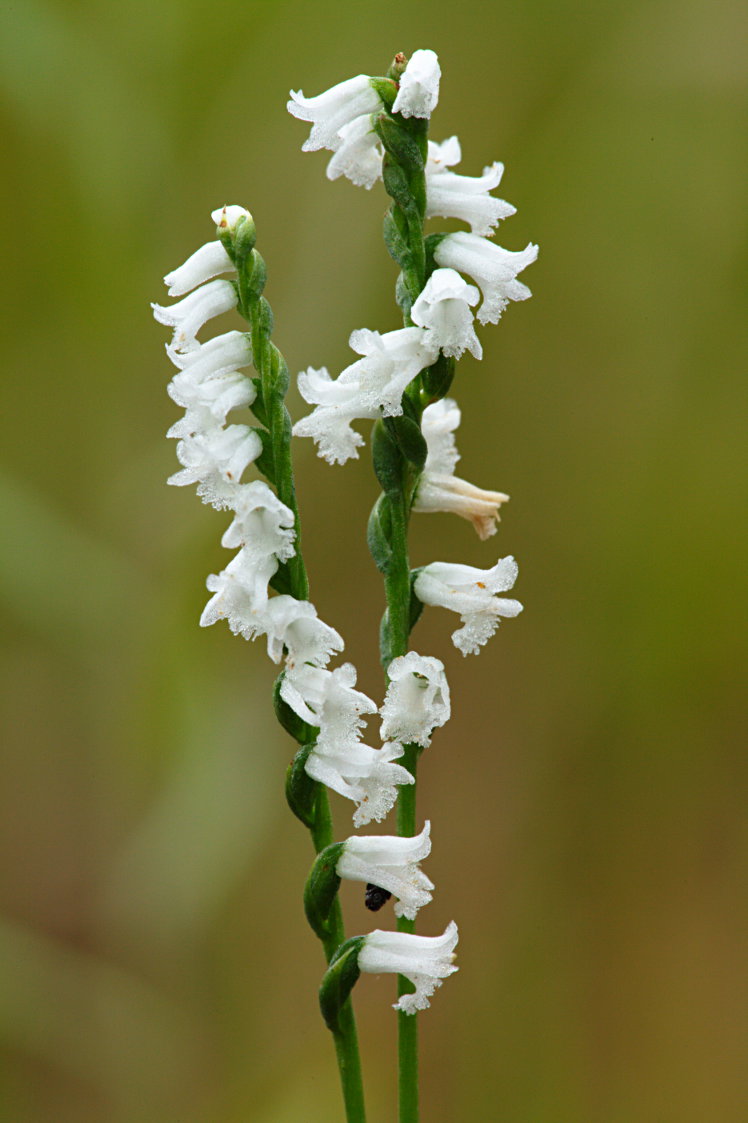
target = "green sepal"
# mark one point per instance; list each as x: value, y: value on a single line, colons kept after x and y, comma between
x: 321, y: 889
x: 416, y: 605
x: 399, y: 143
x: 339, y: 980
x: 397, y: 186
x: 258, y: 405
x: 395, y: 239
x: 378, y: 534
x: 405, y: 299
x: 265, y: 462
x: 243, y: 241
x: 301, y: 789
x: 385, y: 640
x: 388, y: 460
x: 386, y: 88
x: 437, y: 379
x: 252, y: 277
x: 410, y: 440
x: 299, y: 729
x: 430, y: 244
x: 282, y: 581
x: 397, y: 67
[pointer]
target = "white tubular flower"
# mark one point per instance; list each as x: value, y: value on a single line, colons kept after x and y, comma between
x: 425, y: 960
x: 359, y: 156
x: 230, y: 351
x: 438, y: 488
x: 390, y: 362
x: 329, y: 425
x: 204, y: 264
x: 417, y: 700
x: 188, y: 315
x: 240, y: 594
x: 214, y: 460
x: 327, y: 699
x: 443, y: 308
x: 262, y: 524
x: 364, y: 775
x: 391, y: 863
x: 472, y: 593
x: 294, y: 624
x: 494, y: 268
x: 208, y: 402
x: 332, y: 110
x: 419, y: 86
x: 449, y: 195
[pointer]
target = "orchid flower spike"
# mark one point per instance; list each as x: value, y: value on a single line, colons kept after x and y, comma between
x: 390, y: 862
x: 417, y: 699
x: 425, y: 960
x: 438, y: 488
x: 472, y: 593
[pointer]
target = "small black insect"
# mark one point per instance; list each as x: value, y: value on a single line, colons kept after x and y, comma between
x: 375, y: 897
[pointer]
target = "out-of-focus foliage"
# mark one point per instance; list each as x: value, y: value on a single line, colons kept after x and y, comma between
x: 588, y: 799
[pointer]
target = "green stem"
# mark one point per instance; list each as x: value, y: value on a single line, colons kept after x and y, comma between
x: 346, y: 1037
x: 273, y: 376
x: 407, y: 1044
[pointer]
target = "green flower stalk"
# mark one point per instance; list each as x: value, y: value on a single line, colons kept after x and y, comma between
x: 376, y: 128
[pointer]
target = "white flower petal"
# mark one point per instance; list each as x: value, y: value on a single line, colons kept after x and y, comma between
x: 417, y: 699
x: 359, y: 156
x: 494, y: 268
x: 443, y: 308
x: 425, y: 960
x: 205, y: 263
x: 331, y: 111
x: 471, y: 593
x: 419, y: 85
x: 390, y: 862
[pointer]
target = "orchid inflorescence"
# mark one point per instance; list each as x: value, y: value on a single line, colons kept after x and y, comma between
x: 376, y: 128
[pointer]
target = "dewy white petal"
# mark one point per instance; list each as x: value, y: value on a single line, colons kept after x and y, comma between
x: 329, y: 425
x: 223, y: 353
x: 332, y: 110
x: 494, y: 268
x: 417, y: 699
x: 262, y: 524
x: 419, y: 86
x: 466, y: 197
x: 439, y: 421
x: 295, y: 625
x: 443, y: 308
x: 359, y: 156
x: 208, y: 401
x: 425, y: 960
x: 240, y: 594
x: 229, y: 216
x: 438, y: 488
x: 471, y: 593
x: 443, y: 156
x: 362, y: 774
x: 376, y: 382
x: 215, y: 460
x: 390, y: 362
x: 188, y: 315
x: 327, y: 699
x: 205, y: 263
x: 390, y: 862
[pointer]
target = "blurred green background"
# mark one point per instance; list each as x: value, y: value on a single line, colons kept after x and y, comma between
x: 588, y: 798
